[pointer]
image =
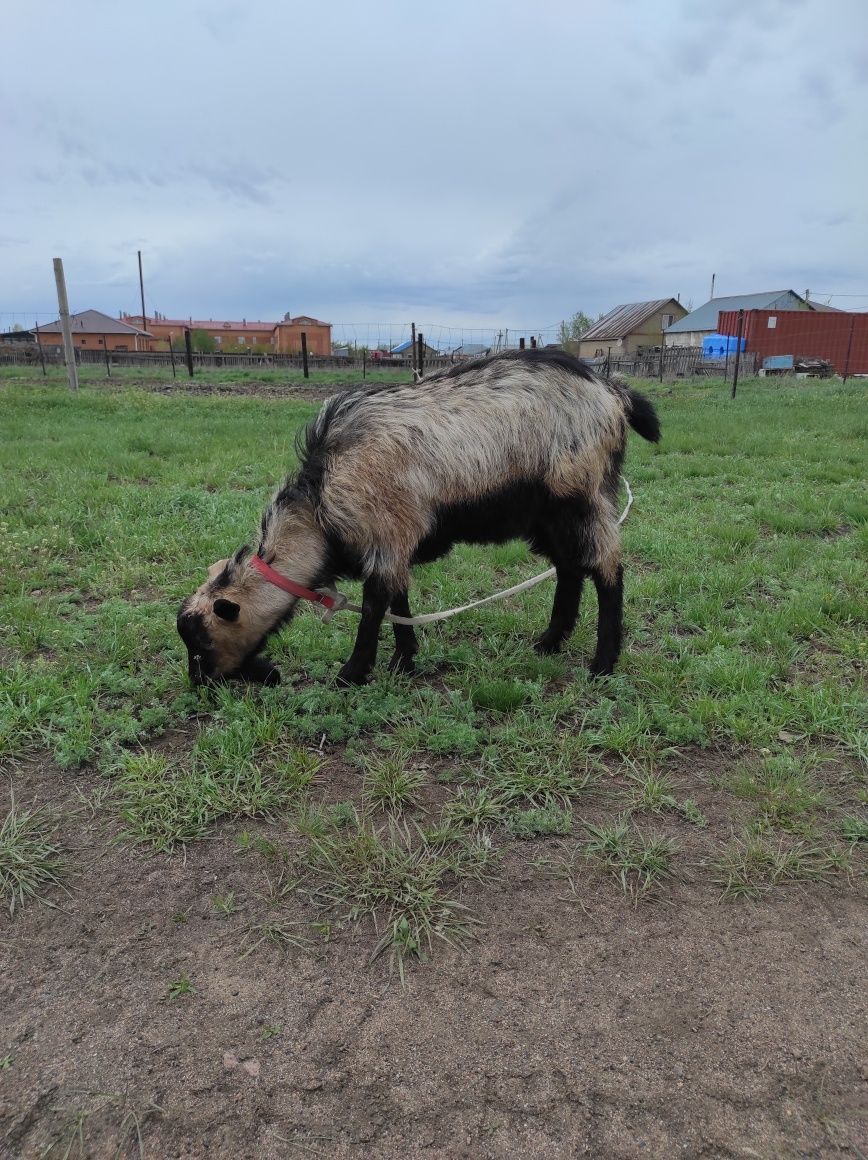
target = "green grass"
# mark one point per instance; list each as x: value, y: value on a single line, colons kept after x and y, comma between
x: 31, y: 862
x: 783, y: 789
x: 398, y: 878
x: 745, y: 639
x: 181, y: 987
x: 640, y: 862
x: 539, y: 822
x: 390, y: 783
x: 750, y: 866
x: 93, y: 375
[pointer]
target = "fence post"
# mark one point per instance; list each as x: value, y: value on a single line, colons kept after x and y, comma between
x: 662, y: 349
x: 737, y: 352
x: 304, y: 366
x: 108, y: 369
x: 63, y: 304
x: 364, y: 363
x: 172, y: 357
x: 420, y: 356
x: 849, y: 347
x: 413, y: 347
x: 188, y: 346
x: 41, y: 351
x: 521, y: 343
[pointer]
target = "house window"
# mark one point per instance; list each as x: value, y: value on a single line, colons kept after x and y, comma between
x: 218, y: 338
x: 241, y: 340
x: 773, y: 321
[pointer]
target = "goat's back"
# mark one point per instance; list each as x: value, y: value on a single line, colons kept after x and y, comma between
x: 529, y: 416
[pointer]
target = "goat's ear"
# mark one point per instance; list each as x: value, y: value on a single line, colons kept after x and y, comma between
x: 216, y: 568
x: 226, y: 609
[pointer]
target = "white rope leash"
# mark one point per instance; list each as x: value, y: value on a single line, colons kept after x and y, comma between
x: 432, y: 617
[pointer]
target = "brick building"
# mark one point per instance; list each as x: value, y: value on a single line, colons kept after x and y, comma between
x: 274, y: 337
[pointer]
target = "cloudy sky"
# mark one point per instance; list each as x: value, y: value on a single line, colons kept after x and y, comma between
x: 482, y: 162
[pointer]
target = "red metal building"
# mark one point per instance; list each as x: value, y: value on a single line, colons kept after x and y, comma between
x: 804, y: 334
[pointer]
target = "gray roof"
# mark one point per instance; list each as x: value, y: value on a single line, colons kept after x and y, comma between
x: 705, y: 317
x: 473, y: 348
x: 623, y: 320
x: 94, y: 322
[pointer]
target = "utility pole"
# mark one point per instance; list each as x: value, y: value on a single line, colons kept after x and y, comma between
x: 713, y: 276
x: 63, y: 305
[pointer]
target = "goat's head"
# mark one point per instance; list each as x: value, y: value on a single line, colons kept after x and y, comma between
x: 227, y: 620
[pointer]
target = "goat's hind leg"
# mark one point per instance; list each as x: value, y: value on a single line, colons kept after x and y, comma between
x: 610, y: 619
x: 561, y: 537
x: 406, y: 645
x: 565, y: 609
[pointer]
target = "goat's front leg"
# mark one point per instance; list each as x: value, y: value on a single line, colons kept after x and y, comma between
x: 375, y: 601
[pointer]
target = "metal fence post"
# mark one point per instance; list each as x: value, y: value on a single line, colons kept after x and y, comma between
x: 188, y: 346
x: 849, y: 348
x: 737, y: 352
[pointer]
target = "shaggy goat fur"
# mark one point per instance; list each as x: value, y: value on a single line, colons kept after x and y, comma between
x: 527, y: 444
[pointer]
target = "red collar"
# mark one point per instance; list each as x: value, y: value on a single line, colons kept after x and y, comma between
x: 290, y: 586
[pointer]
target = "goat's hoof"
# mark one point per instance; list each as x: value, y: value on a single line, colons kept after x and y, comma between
x: 598, y: 669
x: 547, y: 645
x: 402, y: 663
x: 348, y: 677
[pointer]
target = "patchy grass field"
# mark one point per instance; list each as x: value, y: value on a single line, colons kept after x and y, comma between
x: 640, y: 904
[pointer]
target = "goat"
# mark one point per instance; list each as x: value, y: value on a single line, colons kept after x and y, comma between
x: 527, y: 444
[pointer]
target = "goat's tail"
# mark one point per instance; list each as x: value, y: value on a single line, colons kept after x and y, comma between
x: 642, y: 417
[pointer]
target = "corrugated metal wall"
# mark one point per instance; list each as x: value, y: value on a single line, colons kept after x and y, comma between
x: 804, y: 333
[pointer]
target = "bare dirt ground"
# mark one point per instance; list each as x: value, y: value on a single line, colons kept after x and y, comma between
x: 575, y: 1025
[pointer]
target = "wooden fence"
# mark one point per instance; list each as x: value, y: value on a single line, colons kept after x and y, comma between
x: 678, y: 362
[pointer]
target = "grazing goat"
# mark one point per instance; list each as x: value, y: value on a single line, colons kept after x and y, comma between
x: 527, y: 444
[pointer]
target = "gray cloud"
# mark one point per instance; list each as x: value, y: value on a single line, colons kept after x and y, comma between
x: 483, y: 162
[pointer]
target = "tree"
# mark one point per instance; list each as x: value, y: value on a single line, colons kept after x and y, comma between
x: 17, y: 327
x: 570, y: 332
x: 202, y: 342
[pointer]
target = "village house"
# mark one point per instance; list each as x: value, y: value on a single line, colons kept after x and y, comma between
x: 93, y: 330
x: 630, y: 329
x: 405, y: 350
x: 700, y: 323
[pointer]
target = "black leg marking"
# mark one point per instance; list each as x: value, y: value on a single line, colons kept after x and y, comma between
x: 406, y: 645
x: 562, y: 537
x: 375, y: 601
x: 610, y: 598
